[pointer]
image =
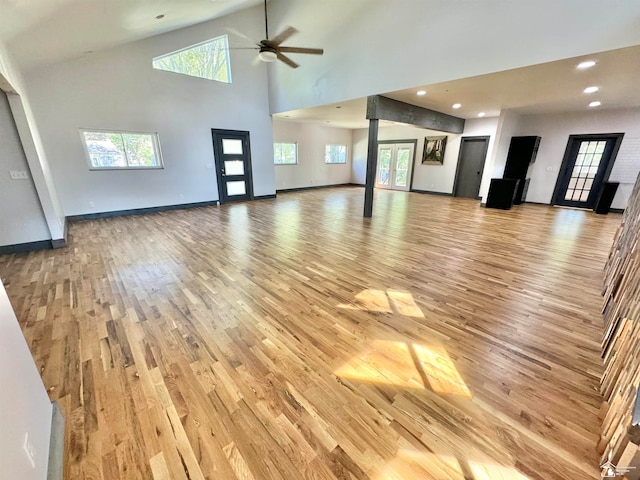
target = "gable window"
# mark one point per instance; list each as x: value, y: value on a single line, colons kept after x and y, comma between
x: 208, y: 60
x: 121, y: 150
x: 285, y: 153
x: 335, y: 154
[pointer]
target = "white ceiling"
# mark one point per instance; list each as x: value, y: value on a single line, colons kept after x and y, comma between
x: 47, y: 31
x: 545, y: 88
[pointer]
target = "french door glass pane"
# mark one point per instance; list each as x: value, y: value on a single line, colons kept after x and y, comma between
x: 231, y: 146
x: 585, y: 170
x: 236, y: 188
x: 385, y: 166
x: 234, y: 167
x: 402, y: 167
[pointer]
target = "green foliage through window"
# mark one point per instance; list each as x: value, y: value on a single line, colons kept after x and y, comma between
x: 208, y: 60
x: 122, y: 149
x: 285, y: 153
x: 335, y: 154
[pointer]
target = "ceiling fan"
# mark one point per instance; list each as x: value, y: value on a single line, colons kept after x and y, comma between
x: 270, y: 50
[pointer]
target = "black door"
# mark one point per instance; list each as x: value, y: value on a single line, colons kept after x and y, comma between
x: 473, y: 153
x: 587, y: 162
x: 232, y: 152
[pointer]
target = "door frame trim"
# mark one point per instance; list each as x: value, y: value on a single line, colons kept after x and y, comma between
x: 222, y: 131
x: 413, y: 162
x: 487, y: 139
x: 567, y: 153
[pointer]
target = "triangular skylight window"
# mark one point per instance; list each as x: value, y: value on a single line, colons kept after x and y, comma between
x: 208, y: 59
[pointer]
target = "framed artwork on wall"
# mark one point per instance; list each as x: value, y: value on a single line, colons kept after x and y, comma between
x: 433, y: 153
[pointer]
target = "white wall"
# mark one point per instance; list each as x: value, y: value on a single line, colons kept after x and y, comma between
x: 24, y: 404
x: 118, y: 89
x: 432, y: 178
x: 554, y: 130
x: 311, y: 169
x: 506, y: 128
x: 433, y: 41
x: 21, y: 217
x: 11, y: 81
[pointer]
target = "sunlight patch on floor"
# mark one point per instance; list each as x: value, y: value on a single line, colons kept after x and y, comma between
x: 414, y: 464
x: 421, y: 465
x: 371, y: 300
x: 408, y: 365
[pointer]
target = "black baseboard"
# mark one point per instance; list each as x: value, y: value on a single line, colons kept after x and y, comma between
x: 315, y: 187
x: 616, y: 210
x: 139, y: 211
x: 265, y: 197
x: 56, y: 445
x: 26, y: 247
x: 429, y: 192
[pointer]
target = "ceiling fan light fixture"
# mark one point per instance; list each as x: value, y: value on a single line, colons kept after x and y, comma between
x: 267, y: 56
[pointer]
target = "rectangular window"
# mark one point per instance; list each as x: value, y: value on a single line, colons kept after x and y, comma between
x: 114, y: 150
x: 335, y: 154
x: 285, y: 153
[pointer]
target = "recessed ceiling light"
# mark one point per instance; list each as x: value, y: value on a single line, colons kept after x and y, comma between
x: 160, y: 17
x: 420, y: 93
x: 481, y: 114
x: 591, y: 89
x: 456, y: 105
x: 587, y: 64
x: 595, y: 104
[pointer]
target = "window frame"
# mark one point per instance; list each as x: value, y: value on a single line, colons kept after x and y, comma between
x: 196, y: 45
x: 346, y: 149
x: 156, y: 148
x: 285, y: 143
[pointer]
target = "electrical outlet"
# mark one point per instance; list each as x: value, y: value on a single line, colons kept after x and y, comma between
x: 91, y: 204
x: 29, y: 450
x: 18, y: 174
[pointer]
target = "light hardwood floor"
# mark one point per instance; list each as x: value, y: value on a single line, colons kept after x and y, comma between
x: 292, y: 339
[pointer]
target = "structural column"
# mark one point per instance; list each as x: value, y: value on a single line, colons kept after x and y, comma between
x: 372, y: 161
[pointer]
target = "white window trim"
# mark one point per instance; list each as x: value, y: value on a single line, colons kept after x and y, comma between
x: 156, y: 146
x: 346, y: 154
x: 285, y: 164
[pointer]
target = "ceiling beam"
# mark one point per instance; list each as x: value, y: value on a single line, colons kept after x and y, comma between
x: 383, y: 108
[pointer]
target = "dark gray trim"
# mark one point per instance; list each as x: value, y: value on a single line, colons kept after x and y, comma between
x: 139, y: 211
x: 26, y: 247
x: 384, y: 108
x: 315, y: 187
x: 429, y: 192
x: 487, y: 140
x: 372, y: 162
x: 413, y: 161
x: 616, y: 210
x: 56, y: 445
x: 567, y: 154
x: 265, y: 197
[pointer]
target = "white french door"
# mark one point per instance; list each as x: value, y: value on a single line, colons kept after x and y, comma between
x: 395, y: 161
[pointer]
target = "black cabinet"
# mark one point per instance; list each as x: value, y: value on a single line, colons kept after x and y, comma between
x: 605, y: 199
x: 522, y: 153
x: 502, y: 192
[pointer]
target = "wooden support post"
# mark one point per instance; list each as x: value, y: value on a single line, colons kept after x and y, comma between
x: 372, y: 165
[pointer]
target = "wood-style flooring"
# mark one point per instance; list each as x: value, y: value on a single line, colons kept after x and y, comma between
x: 293, y: 339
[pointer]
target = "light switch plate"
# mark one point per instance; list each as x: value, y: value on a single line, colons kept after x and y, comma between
x: 19, y: 174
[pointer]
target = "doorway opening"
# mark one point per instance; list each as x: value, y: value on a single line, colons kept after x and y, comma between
x: 395, y: 164
x: 232, y: 153
x: 587, y: 163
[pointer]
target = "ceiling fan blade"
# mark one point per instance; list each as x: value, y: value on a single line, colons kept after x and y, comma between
x: 282, y: 36
x: 312, y: 51
x: 287, y: 60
